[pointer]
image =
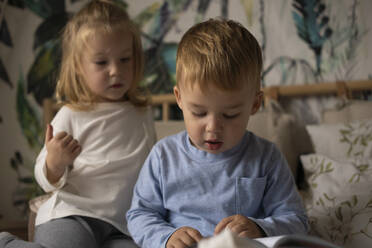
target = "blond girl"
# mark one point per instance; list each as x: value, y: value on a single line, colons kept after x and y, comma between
x: 97, y: 142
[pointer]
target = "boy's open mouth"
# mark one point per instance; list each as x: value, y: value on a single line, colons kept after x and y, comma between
x: 213, y: 145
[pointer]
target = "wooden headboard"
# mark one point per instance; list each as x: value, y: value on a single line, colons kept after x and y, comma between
x: 340, y: 89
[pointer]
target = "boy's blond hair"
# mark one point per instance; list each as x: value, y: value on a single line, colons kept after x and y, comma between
x: 221, y: 53
x: 97, y: 16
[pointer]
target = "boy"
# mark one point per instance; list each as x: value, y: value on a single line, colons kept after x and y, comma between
x: 216, y: 174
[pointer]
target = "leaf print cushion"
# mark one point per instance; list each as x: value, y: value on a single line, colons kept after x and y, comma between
x: 339, y: 205
x: 342, y: 140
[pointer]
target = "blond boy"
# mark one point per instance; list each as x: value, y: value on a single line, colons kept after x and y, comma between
x: 216, y: 174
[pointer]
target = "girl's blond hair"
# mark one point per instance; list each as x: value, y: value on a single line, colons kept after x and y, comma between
x: 221, y: 53
x: 97, y: 16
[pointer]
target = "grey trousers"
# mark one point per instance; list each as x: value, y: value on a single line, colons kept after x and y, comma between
x: 74, y: 232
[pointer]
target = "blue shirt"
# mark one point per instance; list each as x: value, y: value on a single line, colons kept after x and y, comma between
x: 180, y: 185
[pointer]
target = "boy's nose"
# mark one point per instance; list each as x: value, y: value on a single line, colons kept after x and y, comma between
x: 214, y: 124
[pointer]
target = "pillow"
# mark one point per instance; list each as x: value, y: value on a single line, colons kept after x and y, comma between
x: 349, y: 111
x: 342, y: 140
x: 340, y: 203
x: 284, y: 131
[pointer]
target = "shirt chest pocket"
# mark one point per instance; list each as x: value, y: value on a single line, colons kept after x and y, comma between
x: 249, y: 195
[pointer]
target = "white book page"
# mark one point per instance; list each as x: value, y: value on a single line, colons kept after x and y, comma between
x: 269, y: 241
x: 296, y: 240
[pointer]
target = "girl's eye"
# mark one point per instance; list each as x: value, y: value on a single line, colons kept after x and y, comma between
x: 228, y: 116
x: 199, y: 114
x: 100, y: 62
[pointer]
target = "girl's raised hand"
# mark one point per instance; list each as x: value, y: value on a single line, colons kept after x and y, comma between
x: 62, y: 149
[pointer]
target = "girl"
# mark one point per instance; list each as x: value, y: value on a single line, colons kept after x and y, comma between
x: 99, y: 139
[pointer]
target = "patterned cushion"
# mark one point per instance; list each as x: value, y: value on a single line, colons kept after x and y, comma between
x: 340, y: 202
x: 343, y: 140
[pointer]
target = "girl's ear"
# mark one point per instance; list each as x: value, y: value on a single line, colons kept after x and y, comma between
x: 177, y: 93
x: 257, y: 102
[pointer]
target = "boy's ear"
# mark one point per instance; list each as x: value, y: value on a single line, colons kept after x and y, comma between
x: 257, y: 102
x: 177, y: 93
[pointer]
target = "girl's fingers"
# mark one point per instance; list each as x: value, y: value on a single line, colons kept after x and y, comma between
x: 60, y: 135
x: 76, y: 151
x: 48, y: 133
x: 72, y: 144
x: 67, y: 140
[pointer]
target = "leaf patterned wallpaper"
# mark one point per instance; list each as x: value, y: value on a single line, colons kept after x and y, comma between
x: 303, y: 42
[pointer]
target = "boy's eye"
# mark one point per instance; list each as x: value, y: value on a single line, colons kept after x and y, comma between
x: 126, y: 59
x: 201, y: 114
x: 231, y: 116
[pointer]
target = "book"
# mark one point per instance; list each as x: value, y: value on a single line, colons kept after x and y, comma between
x: 227, y: 239
x: 295, y: 241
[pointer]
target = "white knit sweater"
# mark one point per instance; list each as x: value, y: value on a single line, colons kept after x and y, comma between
x: 116, y: 139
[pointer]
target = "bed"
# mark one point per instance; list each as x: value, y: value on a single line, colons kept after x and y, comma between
x: 330, y: 160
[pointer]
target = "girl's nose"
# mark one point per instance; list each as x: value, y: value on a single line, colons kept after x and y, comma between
x: 115, y: 69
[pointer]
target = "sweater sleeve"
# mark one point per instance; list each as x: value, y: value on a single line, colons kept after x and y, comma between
x: 41, y: 174
x: 59, y: 123
x: 147, y: 216
x: 282, y: 203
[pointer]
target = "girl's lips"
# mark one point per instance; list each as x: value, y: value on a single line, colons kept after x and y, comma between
x: 213, y: 145
x: 116, y: 86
